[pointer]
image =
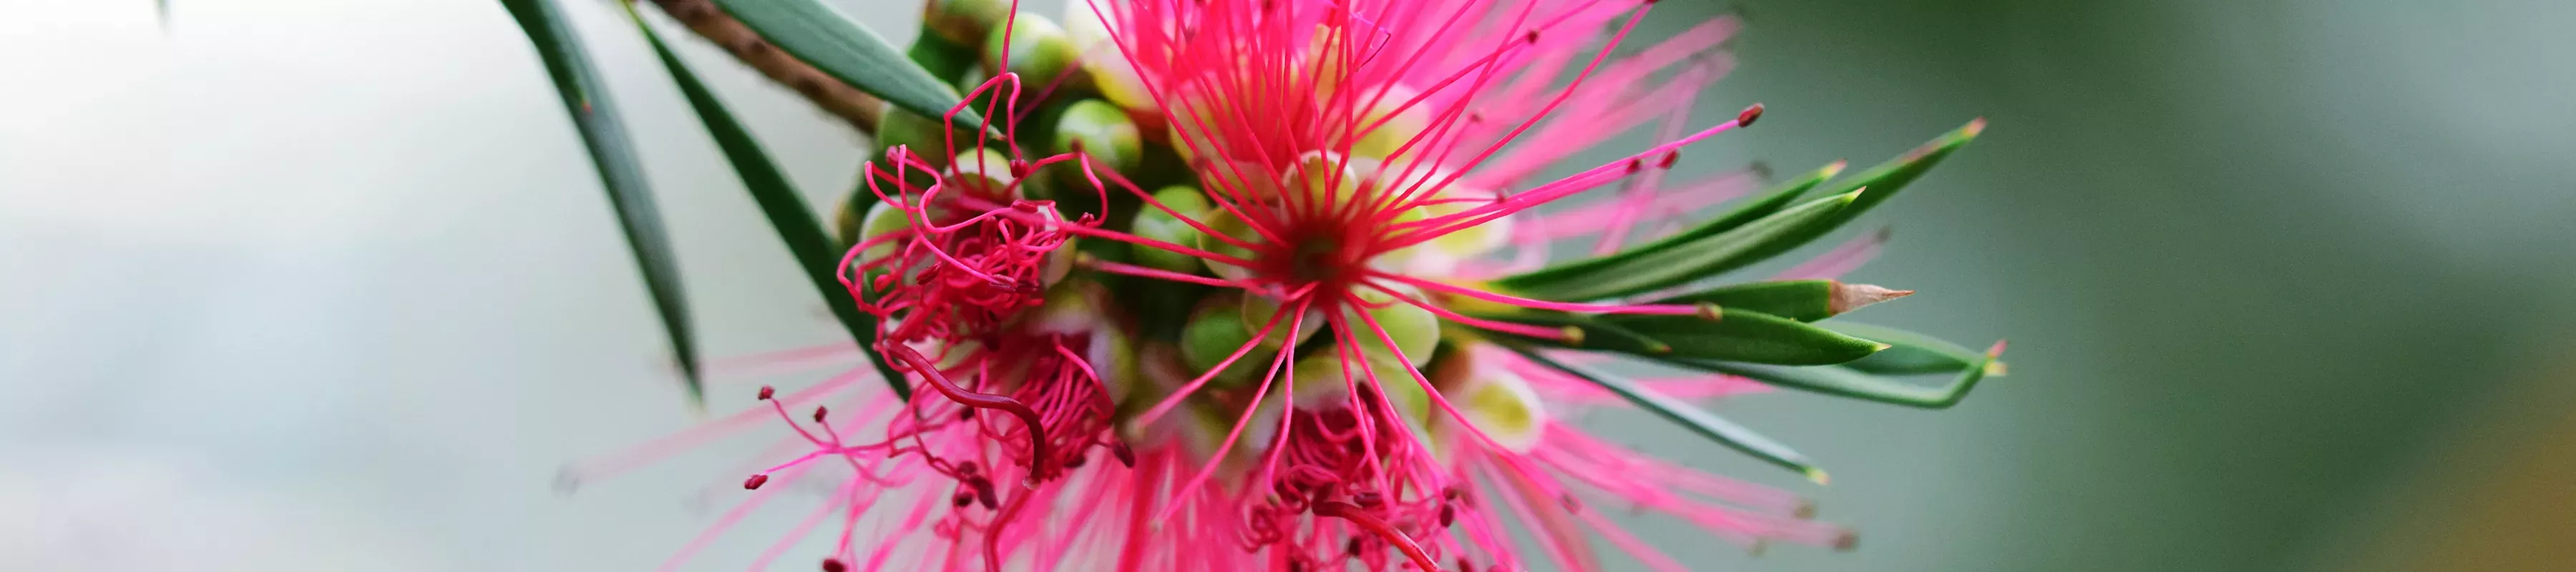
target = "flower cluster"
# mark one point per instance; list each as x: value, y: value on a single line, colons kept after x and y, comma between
x: 1285, y: 264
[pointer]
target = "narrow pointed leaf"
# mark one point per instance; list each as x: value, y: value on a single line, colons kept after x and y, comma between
x: 1684, y: 263
x: 1745, y: 335
x: 620, y: 171
x: 1698, y: 421
x: 1875, y: 185
x: 1736, y: 335
x: 1801, y: 300
x: 1847, y: 382
x: 1779, y: 197
x: 829, y: 41
x: 815, y: 250
x: 1907, y: 352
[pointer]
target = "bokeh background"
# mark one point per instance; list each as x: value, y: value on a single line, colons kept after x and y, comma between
x: 2291, y: 285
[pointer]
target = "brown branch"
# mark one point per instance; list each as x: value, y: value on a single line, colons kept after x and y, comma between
x: 701, y: 16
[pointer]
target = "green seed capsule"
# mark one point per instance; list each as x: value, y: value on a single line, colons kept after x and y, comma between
x: 1215, y: 331
x: 1039, y: 50
x: 1101, y: 131
x: 1156, y: 224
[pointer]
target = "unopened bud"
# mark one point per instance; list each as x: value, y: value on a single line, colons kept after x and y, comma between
x: 1035, y: 47
x: 1102, y: 132
x: 1215, y: 331
x: 1157, y: 224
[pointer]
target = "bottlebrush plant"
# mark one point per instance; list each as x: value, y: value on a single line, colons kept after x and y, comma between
x: 1269, y: 284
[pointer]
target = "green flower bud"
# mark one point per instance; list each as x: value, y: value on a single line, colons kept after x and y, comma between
x: 1416, y: 331
x: 1156, y: 224
x: 1224, y: 221
x: 1070, y: 308
x: 1258, y: 310
x: 1039, y: 50
x: 1216, y: 330
x: 883, y: 219
x: 982, y: 173
x: 1102, y: 131
x: 963, y: 21
x: 925, y: 135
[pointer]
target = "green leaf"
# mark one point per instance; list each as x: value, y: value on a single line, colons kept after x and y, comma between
x: 1746, y: 335
x: 1579, y: 271
x: 1737, y: 335
x: 1907, y: 352
x: 1801, y: 300
x: 823, y: 37
x: 1698, y: 421
x: 619, y: 170
x: 1875, y: 186
x: 815, y: 250
x: 1661, y: 268
x: 1846, y: 382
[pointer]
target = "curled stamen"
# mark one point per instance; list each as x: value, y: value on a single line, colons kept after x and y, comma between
x: 1038, y: 462
x: 1384, y: 531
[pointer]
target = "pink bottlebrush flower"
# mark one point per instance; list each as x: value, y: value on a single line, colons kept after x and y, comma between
x: 1356, y: 386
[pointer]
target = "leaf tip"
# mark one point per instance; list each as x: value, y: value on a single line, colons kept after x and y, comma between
x: 1847, y: 297
x: 1709, y: 311
x: 1974, y: 127
x: 1834, y: 169
x: 1818, y: 475
x: 1573, y: 335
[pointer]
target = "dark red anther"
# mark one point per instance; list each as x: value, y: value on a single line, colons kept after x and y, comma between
x: 962, y: 498
x: 1532, y: 37
x: 984, y: 493
x: 834, y: 565
x: 1352, y: 546
x: 1670, y: 157
x: 1125, y: 455
x: 966, y: 414
x: 1019, y: 168
x: 1571, y: 505
x: 1447, y: 514
x: 884, y: 281
x: 1746, y: 118
x: 1367, y: 499
x: 766, y: 391
x: 968, y: 468
x: 819, y: 412
x: 1635, y: 166
x: 1077, y: 461
x: 1465, y: 566
x: 1450, y: 493
x: 754, y: 482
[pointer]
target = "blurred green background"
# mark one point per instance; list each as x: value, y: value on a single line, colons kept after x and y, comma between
x: 315, y: 285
